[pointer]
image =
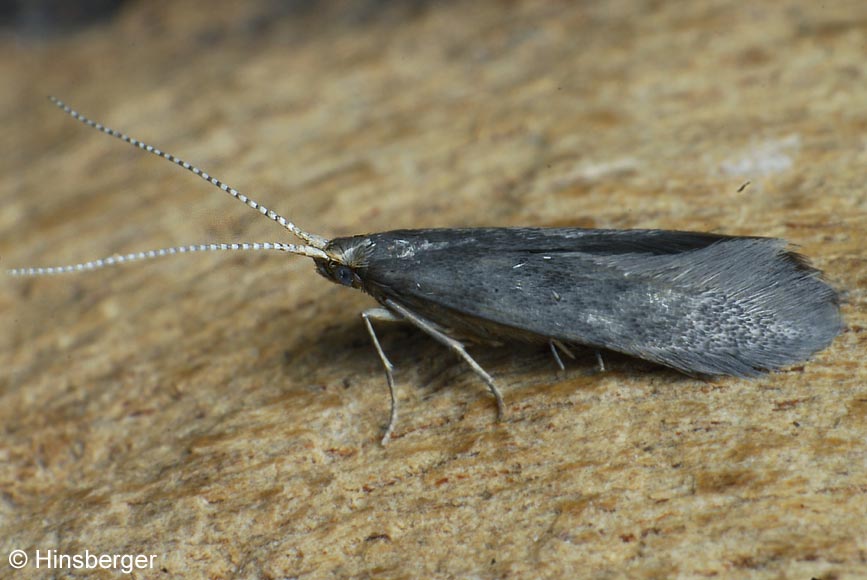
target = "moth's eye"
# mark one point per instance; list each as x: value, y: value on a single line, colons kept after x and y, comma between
x: 343, y: 275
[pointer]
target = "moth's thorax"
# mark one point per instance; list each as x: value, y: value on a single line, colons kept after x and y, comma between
x: 347, y: 257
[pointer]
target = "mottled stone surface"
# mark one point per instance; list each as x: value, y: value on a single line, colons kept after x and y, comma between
x: 223, y: 412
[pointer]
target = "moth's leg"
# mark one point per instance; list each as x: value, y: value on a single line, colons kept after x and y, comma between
x: 453, y: 344
x: 556, y: 344
x: 386, y: 316
x: 556, y: 356
x: 599, y: 360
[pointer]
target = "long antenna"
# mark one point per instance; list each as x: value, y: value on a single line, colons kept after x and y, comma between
x: 311, y: 239
x: 138, y: 256
x: 315, y: 249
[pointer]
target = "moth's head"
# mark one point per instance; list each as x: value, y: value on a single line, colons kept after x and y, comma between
x: 347, y: 257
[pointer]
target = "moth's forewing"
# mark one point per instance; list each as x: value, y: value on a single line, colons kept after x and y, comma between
x: 701, y: 303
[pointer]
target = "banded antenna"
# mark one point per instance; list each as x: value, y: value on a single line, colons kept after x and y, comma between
x: 314, y: 246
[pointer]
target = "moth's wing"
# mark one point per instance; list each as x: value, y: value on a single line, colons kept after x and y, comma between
x: 406, y: 243
x: 696, y: 302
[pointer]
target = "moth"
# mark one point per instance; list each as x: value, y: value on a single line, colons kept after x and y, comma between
x: 702, y: 303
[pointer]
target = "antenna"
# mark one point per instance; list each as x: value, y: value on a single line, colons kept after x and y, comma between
x: 312, y: 239
x: 150, y: 254
x: 314, y: 247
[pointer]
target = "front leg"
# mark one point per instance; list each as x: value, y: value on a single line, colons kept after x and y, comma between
x: 386, y: 316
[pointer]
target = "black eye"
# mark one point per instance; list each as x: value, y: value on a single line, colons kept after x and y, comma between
x: 344, y: 275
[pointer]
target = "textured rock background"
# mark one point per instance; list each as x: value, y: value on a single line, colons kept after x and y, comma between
x: 223, y: 412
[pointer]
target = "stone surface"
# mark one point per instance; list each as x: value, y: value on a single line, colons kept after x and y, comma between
x: 223, y: 411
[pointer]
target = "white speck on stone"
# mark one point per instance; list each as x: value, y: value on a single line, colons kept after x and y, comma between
x: 764, y: 158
